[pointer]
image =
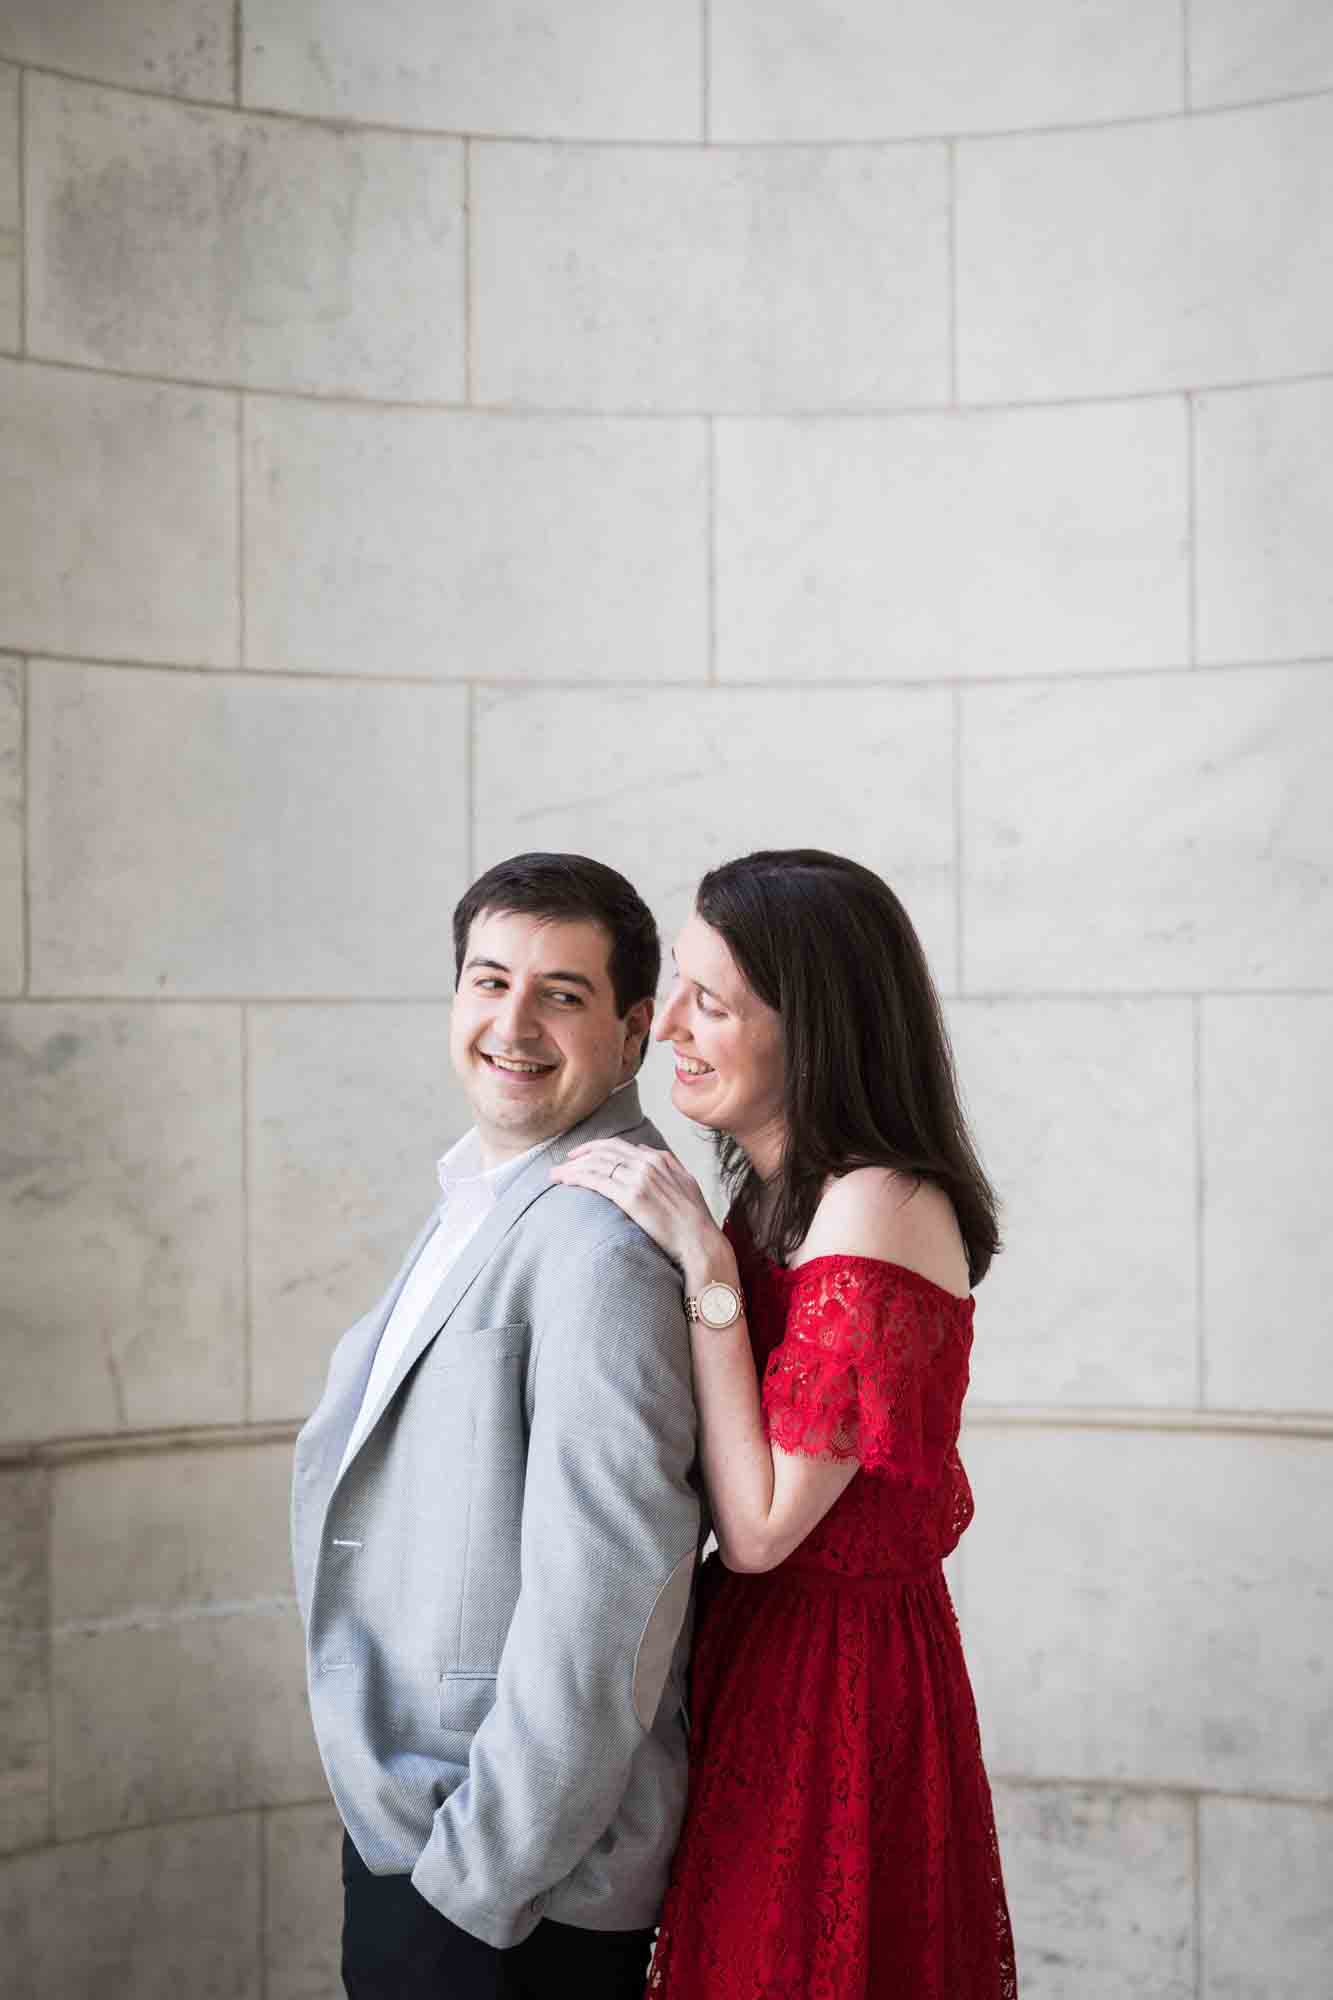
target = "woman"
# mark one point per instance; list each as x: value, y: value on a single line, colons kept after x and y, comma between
x: 839, y: 1839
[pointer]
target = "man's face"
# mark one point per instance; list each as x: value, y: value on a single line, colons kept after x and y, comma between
x: 535, y: 1039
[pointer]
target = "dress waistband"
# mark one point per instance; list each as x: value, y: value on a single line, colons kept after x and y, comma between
x: 878, y: 1581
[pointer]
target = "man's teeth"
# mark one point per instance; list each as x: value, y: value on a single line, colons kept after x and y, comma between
x: 693, y: 1068
x: 523, y: 1068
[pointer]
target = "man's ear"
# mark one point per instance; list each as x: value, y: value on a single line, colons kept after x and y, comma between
x: 638, y: 1020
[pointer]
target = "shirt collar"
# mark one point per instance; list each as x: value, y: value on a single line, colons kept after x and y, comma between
x: 463, y: 1178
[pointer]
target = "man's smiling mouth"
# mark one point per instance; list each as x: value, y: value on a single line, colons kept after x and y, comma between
x: 513, y: 1067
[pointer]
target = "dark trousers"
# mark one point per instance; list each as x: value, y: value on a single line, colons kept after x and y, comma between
x: 397, y: 1946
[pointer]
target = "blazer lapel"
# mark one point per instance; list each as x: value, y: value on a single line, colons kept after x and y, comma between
x: 324, y: 1438
x: 618, y: 1114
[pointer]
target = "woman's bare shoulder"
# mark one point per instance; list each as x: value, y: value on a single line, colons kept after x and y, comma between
x: 878, y: 1212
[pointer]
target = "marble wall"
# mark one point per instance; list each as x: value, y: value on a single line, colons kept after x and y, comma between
x: 660, y: 431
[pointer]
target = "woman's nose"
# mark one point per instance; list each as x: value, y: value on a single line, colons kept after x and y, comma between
x: 668, y: 1024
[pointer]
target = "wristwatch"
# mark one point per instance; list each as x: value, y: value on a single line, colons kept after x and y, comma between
x: 718, y: 1305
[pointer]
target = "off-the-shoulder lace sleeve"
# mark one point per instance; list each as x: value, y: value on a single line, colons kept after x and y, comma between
x: 872, y: 1366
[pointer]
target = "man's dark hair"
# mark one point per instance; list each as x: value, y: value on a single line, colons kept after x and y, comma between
x: 570, y: 888
x: 868, y: 1071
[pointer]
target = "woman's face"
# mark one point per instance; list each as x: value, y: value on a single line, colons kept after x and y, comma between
x: 728, y: 1046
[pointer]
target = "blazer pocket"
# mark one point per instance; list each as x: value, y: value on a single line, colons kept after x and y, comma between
x: 466, y: 1699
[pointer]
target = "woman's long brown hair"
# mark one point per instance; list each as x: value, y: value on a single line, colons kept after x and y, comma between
x: 869, y: 1076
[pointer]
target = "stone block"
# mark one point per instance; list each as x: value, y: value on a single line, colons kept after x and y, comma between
x: 1268, y: 1254
x: 201, y: 834
x: 1265, y: 522
x: 1084, y: 1114
x: 11, y: 221
x: 1152, y: 1608
x: 1238, y: 53
x: 459, y: 543
x: 24, y: 1699
x: 1101, y: 1892
x: 200, y: 1714
x: 665, y: 786
x: 684, y: 279
x: 350, y: 1108
x: 152, y: 1915
x: 1170, y: 254
x: 178, y: 241
x: 142, y: 1539
x: 859, y: 70
x: 12, y: 952
x: 1148, y: 833
x: 177, y: 48
x: 303, y: 1903
x: 1267, y: 1926
x: 178, y: 1667
x: 117, y: 518
x: 566, y: 69
x: 1042, y: 541
x: 121, y: 1250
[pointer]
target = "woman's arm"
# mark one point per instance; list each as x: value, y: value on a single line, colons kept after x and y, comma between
x: 765, y: 1500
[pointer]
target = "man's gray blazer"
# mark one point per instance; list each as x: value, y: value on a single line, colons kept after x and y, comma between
x: 496, y: 1590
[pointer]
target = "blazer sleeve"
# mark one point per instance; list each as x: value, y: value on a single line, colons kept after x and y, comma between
x: 610, y: 1530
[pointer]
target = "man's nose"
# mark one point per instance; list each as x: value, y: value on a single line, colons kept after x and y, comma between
x: 514, y: 1019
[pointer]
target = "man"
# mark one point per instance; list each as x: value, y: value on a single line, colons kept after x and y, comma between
x: 495, y: 1508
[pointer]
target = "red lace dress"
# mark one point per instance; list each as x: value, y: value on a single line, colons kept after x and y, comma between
x: 839, y: 1840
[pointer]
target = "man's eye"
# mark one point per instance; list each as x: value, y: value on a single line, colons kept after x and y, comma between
x: 568, y: 999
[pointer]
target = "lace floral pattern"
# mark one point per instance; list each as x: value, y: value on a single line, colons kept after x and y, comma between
x: 839, y: 1842
x: 872, y: 1362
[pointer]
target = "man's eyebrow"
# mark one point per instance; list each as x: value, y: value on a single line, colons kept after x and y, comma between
x: 565, y: 978
x: 571, y: 979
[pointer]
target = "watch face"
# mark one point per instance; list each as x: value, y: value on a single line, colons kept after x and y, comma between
x: 718, y: 1305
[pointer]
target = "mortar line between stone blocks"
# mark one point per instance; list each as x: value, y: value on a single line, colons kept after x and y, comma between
x: 1200, y: 1210
x: 238, y: 51
x: 109, y: 1833
x: 888, y: 143
x: 825, y: 684
x: 470, y: 779
x: 959, y: 973
x: 247, y: 1302
x: 705, y: 72
x: 261, y: 1842
x: 1276, y: 1428
x: 809, y: 413
x: 710, y: 554
x: 1191, y: 530
x: 469, y: 363
x: 48, y: 1647
x: 981, y: 997
x: 1196, y: 1829
x: 951, y: 240
x: 25, y: 234
x: 1154, y: 1788
x: 242, y: 634
x: 1091, y: 996
x: 25, y: 823
x: 1186, y: 37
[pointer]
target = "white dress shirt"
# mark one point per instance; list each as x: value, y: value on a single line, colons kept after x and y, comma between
x: 469, y: 1192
